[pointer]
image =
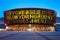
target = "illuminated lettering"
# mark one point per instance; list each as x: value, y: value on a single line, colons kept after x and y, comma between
x: 23, y: 12
x: 31, y: 21
x: 32, y: 11
x: 36, y: 20
x: 19, y: 12
x: 38, y: 12
x: 30, y: 16
x: 43, y: 16
x: 27, y: 12
x: 43, y: 12
x: 37, y: 16
x: 15, y: 17
x: 42, y: 21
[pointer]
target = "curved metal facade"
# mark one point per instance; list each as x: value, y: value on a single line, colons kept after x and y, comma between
x: 30, y: 16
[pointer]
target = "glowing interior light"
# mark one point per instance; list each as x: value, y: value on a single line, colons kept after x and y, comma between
x: 7, y: 27
x: 1, y: 29
x: 29, y: 25
x: 29, y: 29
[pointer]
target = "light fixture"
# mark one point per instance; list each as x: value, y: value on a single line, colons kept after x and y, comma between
x: 29, y: 25
x: 29, y: 29
x: 7, y: 27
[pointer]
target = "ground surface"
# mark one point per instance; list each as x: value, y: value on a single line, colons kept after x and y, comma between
x: 29, y: 35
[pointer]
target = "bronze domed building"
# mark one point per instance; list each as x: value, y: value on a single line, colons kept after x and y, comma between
x: 30, y: 19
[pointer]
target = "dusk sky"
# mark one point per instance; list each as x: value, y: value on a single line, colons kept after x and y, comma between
x: 12, y: 4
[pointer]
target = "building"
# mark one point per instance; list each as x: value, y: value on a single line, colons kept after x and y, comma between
x: 30, y: 20
x: 57, y: 24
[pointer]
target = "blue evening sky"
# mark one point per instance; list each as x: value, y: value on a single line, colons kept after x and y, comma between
x: 12, y: 4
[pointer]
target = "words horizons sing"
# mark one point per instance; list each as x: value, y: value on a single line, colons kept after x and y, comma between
x: 31, y: 16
